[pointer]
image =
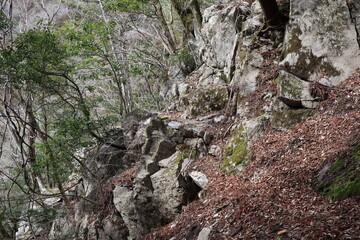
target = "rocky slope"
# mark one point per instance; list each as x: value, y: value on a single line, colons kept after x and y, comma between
x: 261, y: 141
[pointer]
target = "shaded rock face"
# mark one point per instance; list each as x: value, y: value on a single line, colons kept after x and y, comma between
x: 294, y: 91
x: 320, y: 45
x: 161, y: 186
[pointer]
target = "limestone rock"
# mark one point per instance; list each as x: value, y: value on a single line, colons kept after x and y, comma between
x: 220, y: 119
x: 63, y: 227
x: 204, y: 234
x: 255, y: 127
x: 247, y: 61
x: 126, y: 206
x: 221, y: 22
x: 294, y: 91
x: 113, y: 227
x: 199, y: 178
x: 175, y: 124
x: 321, y: 39
x: 205, y: 100
x: 354, y: 7
x: 215, y: 150
x: 168, y: 194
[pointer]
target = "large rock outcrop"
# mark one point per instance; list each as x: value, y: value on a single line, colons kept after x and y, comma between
x: 161, y: 186
x: 320, y: 45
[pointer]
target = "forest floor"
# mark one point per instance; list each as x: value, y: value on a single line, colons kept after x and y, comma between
x: 275, y: 196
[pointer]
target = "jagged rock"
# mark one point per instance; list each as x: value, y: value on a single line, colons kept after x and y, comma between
x: 199, y: 178
x: 139, y: 140
x: 168, y: 193
x: 108, y: 159
x: 247, y: 61
x: 63, y: 227
x: 205, y: 100
x: 138, y: 213
x: 133, y: 121
x: 163, y: 149
x: 185, y: 166
x: 196, y: 145
x: 255, y: 127
x: 215, y: 150
x: 155, y: 124
x: 175, y: 73
x: 83, y: 228
x: 293, y: 91
x: 321, y: 40
x: 221, y: 22
x: 247, y: 69
x: 155, y: 143
x: 112, y: 227
x: 143, y: 179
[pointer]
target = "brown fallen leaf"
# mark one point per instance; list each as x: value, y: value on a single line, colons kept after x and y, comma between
x: 282, y: 232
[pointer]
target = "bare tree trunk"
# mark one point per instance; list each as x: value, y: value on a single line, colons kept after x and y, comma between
x: 187, y: 13
x: 271, y: 12
x: 170, y: 41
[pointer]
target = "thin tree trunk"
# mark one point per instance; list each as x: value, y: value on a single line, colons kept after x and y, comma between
x: 170, y: 41
x: 271, y: 12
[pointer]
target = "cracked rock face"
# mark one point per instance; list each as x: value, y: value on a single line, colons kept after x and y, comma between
x: 321, y: 39
x: 354, y: 8
x: 160, y: 190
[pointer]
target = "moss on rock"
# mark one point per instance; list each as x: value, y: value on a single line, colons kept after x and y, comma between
x: 306, y: 63
x: 343, y: 178
x: 235, y: 154
x: 204, y: 100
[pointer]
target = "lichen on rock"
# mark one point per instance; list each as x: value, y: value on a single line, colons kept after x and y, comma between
x: 316, y: 44
x: 235, y: 153
x: 205, y: 100
x: 294, y: 91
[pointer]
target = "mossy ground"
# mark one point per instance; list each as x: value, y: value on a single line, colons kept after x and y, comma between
x: 343, y: 178
x: 235, y: 153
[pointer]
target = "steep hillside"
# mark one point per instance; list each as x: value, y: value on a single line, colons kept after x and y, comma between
x: 181, y: 120
x: 278, y: 194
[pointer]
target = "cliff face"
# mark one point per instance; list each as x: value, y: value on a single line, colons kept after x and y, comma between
x: 261, y: 141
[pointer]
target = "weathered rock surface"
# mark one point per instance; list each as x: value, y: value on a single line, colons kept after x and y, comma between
x: 354, y: 7
x: 221, y: 22
x: 205, y: 100
x: 247, y: 61
x: 320, y: 45
x: 316, y: 48
x: 160, y: 189
x: 294, y: 91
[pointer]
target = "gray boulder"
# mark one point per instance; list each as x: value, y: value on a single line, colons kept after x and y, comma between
x: 321, y: 39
